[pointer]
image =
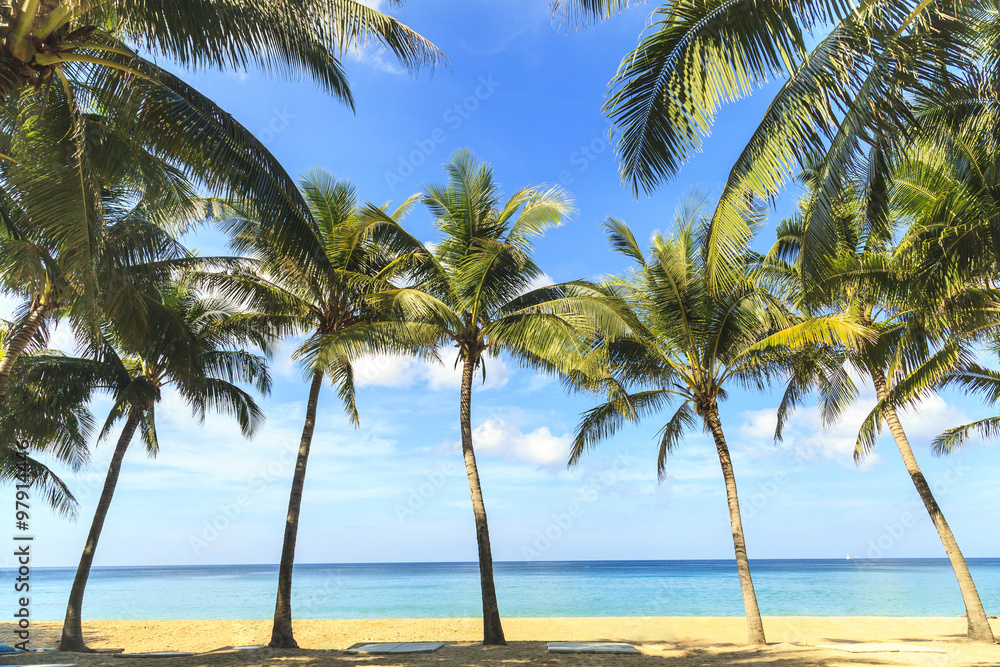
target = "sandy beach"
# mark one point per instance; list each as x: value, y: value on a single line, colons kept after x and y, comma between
x: 667, y: 641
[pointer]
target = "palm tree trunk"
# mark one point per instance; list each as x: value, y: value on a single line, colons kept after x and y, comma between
x: 29, y: 327
x: 978, y: 626
x: 281, y: 632
x: 492, y: 629
x: 72, y: 632
x: 755, y: 626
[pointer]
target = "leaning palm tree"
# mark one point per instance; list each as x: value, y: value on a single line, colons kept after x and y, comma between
x: 193, y: 345
x: 917, y: 331
x: 689, y: 342
x: 475, y: 290
x: 350, y: 256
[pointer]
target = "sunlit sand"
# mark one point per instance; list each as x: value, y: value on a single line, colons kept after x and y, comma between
x: 667, y: 641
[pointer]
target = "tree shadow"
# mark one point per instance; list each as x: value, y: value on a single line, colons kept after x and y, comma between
x: 468, y: 654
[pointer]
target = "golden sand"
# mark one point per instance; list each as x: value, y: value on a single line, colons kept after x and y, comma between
x: 663, y: 641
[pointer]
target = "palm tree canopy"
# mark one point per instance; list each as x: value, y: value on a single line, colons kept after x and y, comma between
x: 79, y: 56
x: 477, y: 287
x: 287, y: 37
x: 922, y: 328
x: 47, y: 416
x: 192, y: 343
x: 323, y: 290
x: 688, y: 341
x: 857, y: 88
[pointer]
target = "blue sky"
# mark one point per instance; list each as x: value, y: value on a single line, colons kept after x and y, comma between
x: 525, y: 97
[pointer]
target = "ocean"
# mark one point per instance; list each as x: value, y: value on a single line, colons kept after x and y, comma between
x: 858, y: 587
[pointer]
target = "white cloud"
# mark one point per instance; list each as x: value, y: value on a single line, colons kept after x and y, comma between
x: 805, y: 435
x: 61, y: 338
x: 387, y: 371
x: 403, y: 372
x: 758, y: 424
x: 377, y: 57
x: 540, y: 447
x: 543, y: 280
x: 446, y: 375
x: 539, y: 381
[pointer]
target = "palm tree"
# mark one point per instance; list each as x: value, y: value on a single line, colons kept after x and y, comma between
x: 475, y: 290
x: 883, y: 288
x: 192, y: 344
x: 689, y: 341
x: 350, y: 256
x: 64, y: 62
x: 55, y: 272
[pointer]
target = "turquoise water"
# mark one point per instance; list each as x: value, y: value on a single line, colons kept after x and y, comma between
x: 882, y: 587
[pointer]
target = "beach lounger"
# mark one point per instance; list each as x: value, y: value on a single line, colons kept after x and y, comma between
x: 156, y: 654
x: 398, y: 647
x: 591, y: 647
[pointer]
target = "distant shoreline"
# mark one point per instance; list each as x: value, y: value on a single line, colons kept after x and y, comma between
x: 500, y: 563
x: 706, y: 588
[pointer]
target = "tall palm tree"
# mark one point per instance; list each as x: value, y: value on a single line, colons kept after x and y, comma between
x: 881, y: 287
x: 192, y: 344
x: 689, y: 342
x: 350, y: 256
x: 475, y: 290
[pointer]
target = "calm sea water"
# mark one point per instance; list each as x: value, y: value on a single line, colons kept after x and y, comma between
x: 883, y: 587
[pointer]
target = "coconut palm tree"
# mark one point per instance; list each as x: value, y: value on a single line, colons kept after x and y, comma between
x: 62, y: 62
x: 689, y: 342
x: 475, y: 290
x: 191, y: 344
x: 918, y: 332
x: 351, y: 254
